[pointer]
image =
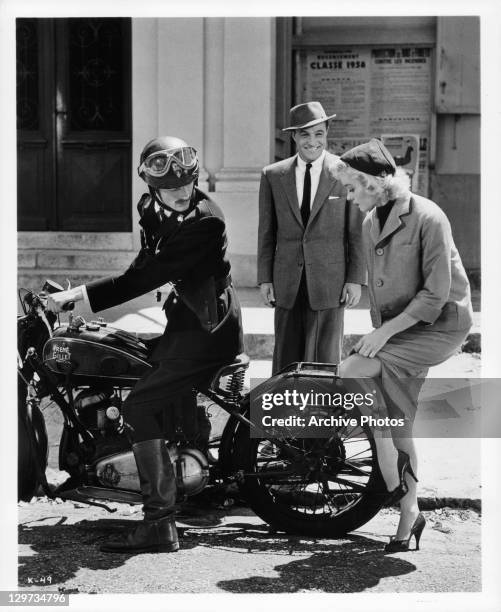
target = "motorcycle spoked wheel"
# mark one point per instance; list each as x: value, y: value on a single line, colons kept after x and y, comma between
x: 30, y: 452
x: 312, y: 505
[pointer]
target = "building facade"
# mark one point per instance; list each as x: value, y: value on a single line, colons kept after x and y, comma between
x: 92, y: 92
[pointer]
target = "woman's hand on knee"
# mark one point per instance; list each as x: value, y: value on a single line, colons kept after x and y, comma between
x: 370, y: 344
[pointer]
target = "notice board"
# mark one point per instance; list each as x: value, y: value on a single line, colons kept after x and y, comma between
x: 382, y: 92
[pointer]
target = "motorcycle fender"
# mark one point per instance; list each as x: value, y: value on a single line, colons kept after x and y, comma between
x: 226, y: 446
x: 33, y: 447
x: 34, y: 420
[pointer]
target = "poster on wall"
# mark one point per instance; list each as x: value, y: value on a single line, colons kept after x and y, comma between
x: 375, y: 93
x: 340, y: 80
x: 405, y: 151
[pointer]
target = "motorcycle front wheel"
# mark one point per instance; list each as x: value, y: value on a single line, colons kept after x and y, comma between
x: 311, y: 486
x: 32, y: 449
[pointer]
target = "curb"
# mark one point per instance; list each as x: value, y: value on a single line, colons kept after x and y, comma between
x: 433, y: 503
x: 425, y: 503
x: 472, y: 344
x: 260, y: 346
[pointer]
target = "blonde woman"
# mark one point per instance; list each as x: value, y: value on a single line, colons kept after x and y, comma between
x: 420, y: 308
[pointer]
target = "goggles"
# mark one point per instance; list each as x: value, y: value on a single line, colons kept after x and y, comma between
x: 160, y: 162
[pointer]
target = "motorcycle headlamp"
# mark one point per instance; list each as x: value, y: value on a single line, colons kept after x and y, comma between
x: 178, y: 160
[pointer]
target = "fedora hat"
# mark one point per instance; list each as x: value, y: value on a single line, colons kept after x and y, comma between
x: 305, y: 115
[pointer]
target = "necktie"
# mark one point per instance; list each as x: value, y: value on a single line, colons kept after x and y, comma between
x: 305, y: 204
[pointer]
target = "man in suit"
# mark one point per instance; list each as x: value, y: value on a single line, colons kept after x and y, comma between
x: 184, y: 242
x: 310, y: 257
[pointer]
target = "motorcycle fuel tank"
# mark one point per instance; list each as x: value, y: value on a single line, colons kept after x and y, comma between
x: 96, y: 351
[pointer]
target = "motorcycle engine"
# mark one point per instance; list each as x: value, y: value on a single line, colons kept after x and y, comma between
x: 191, y: 469
x: 99, y: 411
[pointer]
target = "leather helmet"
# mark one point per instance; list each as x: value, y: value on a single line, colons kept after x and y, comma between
x: 168, y: 162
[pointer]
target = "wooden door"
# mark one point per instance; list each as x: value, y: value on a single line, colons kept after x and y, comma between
x: 35, y: 124
x: 74, y: 124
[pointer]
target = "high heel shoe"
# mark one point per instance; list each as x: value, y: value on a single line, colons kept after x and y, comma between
x: 403, y: 545
x: 404, y: 467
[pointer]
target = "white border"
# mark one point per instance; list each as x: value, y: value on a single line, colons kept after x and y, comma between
x: 490, y: 598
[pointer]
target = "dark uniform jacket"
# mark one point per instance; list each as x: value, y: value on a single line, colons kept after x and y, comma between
x: 203, y: 313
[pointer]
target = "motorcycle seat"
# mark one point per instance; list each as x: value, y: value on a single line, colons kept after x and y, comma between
x: 148, y: 336
x: 150, y: 340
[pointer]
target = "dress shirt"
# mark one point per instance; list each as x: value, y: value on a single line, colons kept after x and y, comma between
x: 315, y: 170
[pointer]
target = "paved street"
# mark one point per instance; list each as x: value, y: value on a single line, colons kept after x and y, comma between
x: 237, y: 554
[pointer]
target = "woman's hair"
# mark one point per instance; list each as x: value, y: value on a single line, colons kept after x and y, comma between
x: 390, y: 187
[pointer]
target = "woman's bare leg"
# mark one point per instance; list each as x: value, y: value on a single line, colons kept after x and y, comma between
x: 357, y: 366
x: 409, y: 508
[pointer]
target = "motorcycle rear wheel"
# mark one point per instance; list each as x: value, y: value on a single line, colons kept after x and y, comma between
x: 344, y: 491
x: 31, y: 450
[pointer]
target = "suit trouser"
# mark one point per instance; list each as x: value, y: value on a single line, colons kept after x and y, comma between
x: 303, y: 334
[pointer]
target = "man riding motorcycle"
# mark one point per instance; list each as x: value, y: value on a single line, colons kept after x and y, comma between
x: 183, y: 241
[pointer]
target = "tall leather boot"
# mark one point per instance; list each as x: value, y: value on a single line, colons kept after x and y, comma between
x: 157, y: 532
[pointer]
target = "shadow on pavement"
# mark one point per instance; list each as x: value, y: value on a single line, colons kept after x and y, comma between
x: 63, y: 549
x: 333, y: 567
x: 351, y: 564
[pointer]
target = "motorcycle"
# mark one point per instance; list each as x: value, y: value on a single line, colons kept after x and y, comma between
x: 322, y: 487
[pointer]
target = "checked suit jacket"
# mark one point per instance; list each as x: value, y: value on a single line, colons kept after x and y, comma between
x: 329, y: 249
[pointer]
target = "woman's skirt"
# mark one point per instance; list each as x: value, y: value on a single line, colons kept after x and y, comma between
x: 405, y: 361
